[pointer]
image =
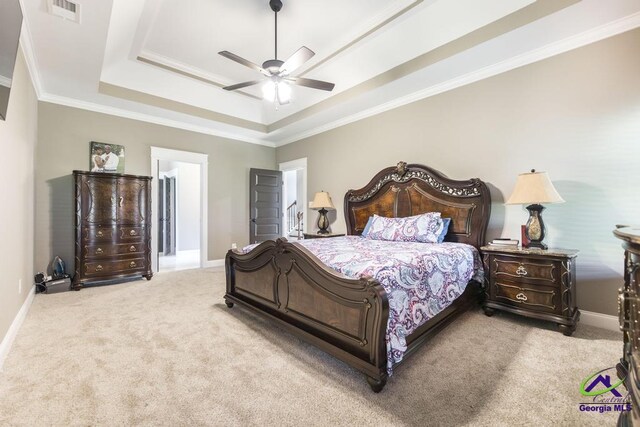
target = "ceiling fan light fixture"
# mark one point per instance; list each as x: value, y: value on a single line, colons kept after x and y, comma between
x: 277, y: 89
x: 274, y: 91
x: 269, y: 90
x: 283, y: 92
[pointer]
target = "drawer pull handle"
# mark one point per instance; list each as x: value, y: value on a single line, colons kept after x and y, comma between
x: 622, y: 297
x: 521, y: 271
x: 120, y: 202
x: 100, y: 233
x: 132, y: 233
x: 132, y: 264
x: 132, y: 249
x: 98, y: 267
x: 99, y: 251
x: 521, y: 297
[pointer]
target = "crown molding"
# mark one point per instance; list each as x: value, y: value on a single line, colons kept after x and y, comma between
x: 149, y: 118
x: 574, y: 42
x: 26, y: 44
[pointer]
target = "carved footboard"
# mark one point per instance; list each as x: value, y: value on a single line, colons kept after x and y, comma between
x: 344, y: 317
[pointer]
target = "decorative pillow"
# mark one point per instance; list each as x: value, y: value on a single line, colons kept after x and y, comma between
x: 425, y: 228
x: 365, y: 232
x: 445, y: 229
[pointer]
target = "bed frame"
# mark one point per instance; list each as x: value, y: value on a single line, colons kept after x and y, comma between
x: 347, y: 317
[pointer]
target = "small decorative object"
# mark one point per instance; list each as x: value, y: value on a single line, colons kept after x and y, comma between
x: 401, y: 169
x: 106, y: 157
x: 533, y: 189
x: 322, y: 201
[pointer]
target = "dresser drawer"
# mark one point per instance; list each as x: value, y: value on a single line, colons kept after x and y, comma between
x: 108, y: 250
x: 538, y: 298
x: 110, y: 268
x: 99, y: 234
x: 542, y: 272
x: 126, y: 234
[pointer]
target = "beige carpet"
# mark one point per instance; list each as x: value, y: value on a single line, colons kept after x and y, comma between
x: 169, y: 352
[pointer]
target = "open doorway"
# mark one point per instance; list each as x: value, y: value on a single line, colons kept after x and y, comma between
x: 294, y: 198
x: 179, y: 214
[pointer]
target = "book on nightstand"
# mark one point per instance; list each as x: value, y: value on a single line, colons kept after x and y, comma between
x: 504, y: 242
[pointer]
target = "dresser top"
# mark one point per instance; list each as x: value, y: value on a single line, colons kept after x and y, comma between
x: 517, y: 250
x: 110, y: 175
x: 628, y: 234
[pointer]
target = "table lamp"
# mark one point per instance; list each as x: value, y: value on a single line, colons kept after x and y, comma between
x: 322, y: 201
x: 533, y: 189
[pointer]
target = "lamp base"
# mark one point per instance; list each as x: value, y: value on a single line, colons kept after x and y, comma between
x: 538, y: 245
x: 323, y: 222
x: 535, y: 230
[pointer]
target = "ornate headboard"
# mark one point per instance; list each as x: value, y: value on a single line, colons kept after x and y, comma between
x: 406, y: 190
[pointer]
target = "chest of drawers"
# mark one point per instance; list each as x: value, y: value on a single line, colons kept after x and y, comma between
x: 629, y: 312
x: 113, y: 227
x: 532, y: 282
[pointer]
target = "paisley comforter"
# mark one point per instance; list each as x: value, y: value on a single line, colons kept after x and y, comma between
x: 421, y: 279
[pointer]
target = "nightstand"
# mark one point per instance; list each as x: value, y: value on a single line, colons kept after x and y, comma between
x: 320, y: 236
x: 533, y: 283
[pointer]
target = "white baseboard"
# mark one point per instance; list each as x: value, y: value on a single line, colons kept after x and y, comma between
x: 7, y: 341
x: 604, y: 321
x: 214, y: 263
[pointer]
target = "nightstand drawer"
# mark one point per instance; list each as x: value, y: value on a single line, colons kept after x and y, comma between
x: 541, y: 272
x: 538, y: 298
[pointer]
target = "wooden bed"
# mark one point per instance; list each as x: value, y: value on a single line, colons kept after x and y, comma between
x: 347, y: 317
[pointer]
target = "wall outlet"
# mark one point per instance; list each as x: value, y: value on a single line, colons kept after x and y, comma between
x: 19, y: 286
x: 234, y: 246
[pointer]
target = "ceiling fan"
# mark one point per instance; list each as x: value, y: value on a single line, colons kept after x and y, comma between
x: 277, y: 72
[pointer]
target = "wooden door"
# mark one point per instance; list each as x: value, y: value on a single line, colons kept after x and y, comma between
x: 160, y: 211
x: 99, y: 203
x: 170, y: 216
x: 265, y: 205
x: 131, y: 201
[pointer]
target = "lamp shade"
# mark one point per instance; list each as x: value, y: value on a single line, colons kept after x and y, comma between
x: 534, y: 188
x: 322, y: 200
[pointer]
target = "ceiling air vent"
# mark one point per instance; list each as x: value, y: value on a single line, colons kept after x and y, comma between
x: 65, y: 9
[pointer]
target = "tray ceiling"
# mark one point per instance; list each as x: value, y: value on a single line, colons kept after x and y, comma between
x: 157, y: 59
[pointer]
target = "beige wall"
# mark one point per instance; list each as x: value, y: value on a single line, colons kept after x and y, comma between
x: 18, y: 141
x: 64, y: 136
x: 576, y: 116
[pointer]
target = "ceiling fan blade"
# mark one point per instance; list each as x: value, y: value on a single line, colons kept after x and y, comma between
x: 314, y: 84
x: 241, y: 85
x: 246, y: 63
x: 294, y: 62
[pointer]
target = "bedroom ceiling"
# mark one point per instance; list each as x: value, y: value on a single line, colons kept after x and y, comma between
x: 156, y: 60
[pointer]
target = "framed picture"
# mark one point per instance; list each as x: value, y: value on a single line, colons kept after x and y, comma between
x: 106, y: 157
